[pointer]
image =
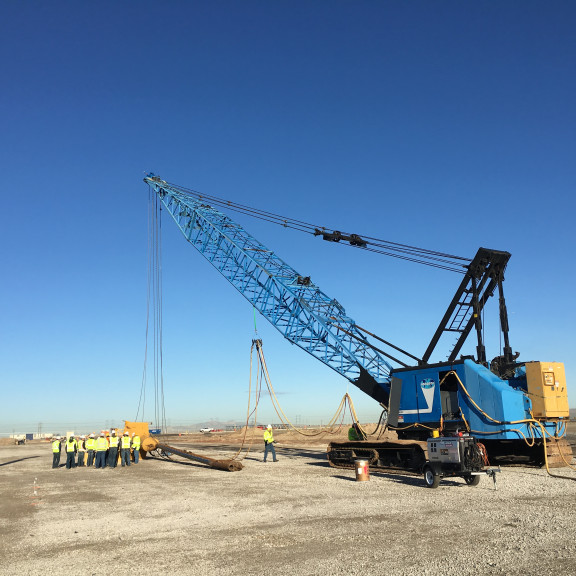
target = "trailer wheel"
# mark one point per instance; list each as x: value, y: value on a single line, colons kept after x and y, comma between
x: 432, y: 480
x: 472, y: 480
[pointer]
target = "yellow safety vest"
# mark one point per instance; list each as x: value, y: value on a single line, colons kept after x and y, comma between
x: 136, y: 442
x: 70, y: 445
x: 80, y: 445
x: 90, y: 443
x: 268, y: 436
x: 114, y: 440
x: 125, y: 441
x: 101, y: 444
x: 56, y: 446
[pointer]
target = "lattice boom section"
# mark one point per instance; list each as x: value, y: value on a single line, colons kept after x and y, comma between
x: 303, y: 314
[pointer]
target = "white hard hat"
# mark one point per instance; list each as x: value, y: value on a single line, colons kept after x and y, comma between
x: 126, y: 434
x: 133, y: 433
x: 101, y: 433
x: 269, y: 426
x: 83, y: 436
x: 92, y: 435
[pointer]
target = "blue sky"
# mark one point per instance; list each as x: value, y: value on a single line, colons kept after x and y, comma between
x: 446, y: 125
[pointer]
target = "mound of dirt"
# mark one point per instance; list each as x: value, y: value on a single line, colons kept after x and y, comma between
x: 286, y: 437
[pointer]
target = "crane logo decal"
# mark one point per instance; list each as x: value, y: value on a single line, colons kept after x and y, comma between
x: 427, y: 385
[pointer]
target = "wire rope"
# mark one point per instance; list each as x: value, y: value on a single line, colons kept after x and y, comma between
x: 142, y: 398
x: 434, y: 258
x: 154, y: 306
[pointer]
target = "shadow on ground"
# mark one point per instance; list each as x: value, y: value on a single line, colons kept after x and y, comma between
x: 18, y: 460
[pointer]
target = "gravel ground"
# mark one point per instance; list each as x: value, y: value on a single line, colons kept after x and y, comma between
x: 297, y: 517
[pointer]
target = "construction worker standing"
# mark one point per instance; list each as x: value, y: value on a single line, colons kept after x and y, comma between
x: 71, y: 447
x: 136, y: 446
x: 81, y: 450
x: 355, y: 433
x: 56, y: 452
x: 101, y: 447
x: 125, y: 449
x: 90, y: 445
x: 269, y: 443
x: 113, y: 450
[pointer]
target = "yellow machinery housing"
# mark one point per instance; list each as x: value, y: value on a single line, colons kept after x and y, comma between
x: 141, y: 429
x: 547, y: 389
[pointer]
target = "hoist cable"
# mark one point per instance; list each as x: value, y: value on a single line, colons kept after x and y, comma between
x: 156, y: 319
x: 142, y: 398
x: 160, y: 325
x: 154, y: 301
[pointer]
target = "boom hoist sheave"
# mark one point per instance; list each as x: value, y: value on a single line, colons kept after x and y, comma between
x: 511, y: 406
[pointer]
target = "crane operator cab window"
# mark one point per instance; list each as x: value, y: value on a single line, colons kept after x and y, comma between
x: 449, y: 396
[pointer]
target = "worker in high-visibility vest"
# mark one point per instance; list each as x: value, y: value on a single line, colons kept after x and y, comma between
x: 269, y: 443
x: 101, y: 448
x: 136, y: 447
x: 125, y: 449
x: 81, y: 450
x: 90, y: 445
x: 56, y: 448
x: 355, y: 433
x: 71, y: 446
x: 114, y: 441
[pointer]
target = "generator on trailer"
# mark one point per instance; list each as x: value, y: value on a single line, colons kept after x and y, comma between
x: 439, y: 457
x: 517, y: 410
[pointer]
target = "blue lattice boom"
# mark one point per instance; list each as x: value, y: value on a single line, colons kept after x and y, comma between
x: 296, y: 307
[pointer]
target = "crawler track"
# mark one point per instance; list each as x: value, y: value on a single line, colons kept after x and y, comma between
x: 397, y: 456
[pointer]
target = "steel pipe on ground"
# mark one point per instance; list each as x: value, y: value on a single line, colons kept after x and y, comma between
x: 150, y: 444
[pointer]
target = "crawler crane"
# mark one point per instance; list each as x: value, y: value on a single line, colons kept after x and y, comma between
x: 517, y: 410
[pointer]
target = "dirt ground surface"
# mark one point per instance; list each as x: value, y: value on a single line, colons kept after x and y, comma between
x: 298, y: 516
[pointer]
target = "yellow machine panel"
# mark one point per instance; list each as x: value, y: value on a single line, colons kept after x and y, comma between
x: 547, y: 389
x: 141, y: 428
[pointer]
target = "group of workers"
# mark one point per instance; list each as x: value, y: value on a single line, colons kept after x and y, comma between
x: 100, y: 452
x: 103, y: 450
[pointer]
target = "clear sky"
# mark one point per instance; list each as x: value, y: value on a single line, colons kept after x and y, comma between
x: 447, y: 125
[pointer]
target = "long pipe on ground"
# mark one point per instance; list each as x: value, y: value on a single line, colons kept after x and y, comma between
x: 150, y: 444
